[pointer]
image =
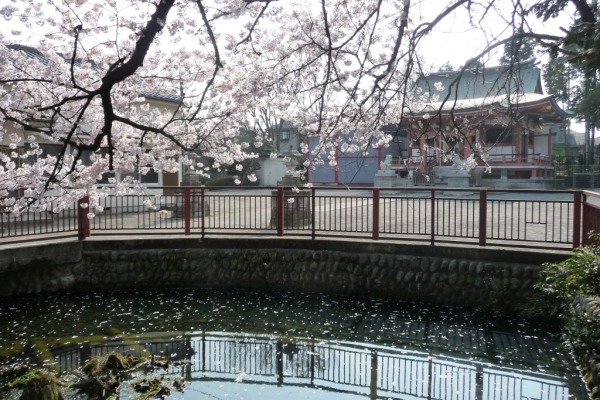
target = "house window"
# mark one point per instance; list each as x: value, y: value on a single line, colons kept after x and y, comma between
x: 50, y: 149
x: 285, y: 135
x: 400, y: 136
x: 499, y: 136
x: 18, y: 152
x: 150, y: 177
x: 144, y: 174
x: 105, y: 178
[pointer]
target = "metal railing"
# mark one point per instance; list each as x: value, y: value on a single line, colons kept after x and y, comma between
x: 590, y: 209
x: 511, y: 158
x: 38, y: 222
x: 499, y: 217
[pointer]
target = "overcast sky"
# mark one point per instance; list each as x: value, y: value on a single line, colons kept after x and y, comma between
x: 455, y: 41
x: 452, y: 41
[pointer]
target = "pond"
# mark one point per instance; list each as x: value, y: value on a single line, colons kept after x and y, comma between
x: 254, y: 344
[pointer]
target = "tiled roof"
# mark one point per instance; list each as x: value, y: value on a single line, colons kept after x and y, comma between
x: 169, y: 97
x: 502, y: 101
x: 523, y: 77
x: 504, y: 86
x: 30, y: 51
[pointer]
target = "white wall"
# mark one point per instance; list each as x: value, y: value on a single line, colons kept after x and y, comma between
x: 540, y: 145
x: 271, y: 171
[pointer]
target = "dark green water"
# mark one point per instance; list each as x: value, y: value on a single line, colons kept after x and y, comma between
x: 257, y: 345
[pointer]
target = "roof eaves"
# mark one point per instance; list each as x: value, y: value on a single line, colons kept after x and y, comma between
x: 29, y: 51
x: 167, y: 97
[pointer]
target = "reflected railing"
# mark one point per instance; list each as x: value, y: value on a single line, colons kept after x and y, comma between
x: 344, y: 367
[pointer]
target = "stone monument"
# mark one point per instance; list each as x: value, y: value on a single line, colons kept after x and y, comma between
x: 455, y: 176
x: 291, y: 177
x: 386, y: 176
x: 296, y: 203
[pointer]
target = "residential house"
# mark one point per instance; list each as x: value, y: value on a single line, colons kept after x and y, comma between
x: 284, y: 141
x: 166, y: 101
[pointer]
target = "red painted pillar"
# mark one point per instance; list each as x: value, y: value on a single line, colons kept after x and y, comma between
x: 518, y: 143
x: 548, y: 160
x: 376, y: 195
x: 313, y: 219
x: 432, y: 220
x: 203, y: 209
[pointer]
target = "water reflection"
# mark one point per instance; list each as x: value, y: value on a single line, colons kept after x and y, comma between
x: 223, y: 362
x: 295, y: 345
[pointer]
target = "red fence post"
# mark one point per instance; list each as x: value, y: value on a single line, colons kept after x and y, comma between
x: 313, y: 201
x: 187, y: 209
x: 482, y: 217
x: 83, y: 222
x: 280, y: 210
x: 376, y: 195
x: 577, y: 196
x: 432, y: 222
x: 203, y: 209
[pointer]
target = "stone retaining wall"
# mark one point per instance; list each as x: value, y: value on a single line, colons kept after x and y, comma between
x: 38, y: 268
x: 441, y: 275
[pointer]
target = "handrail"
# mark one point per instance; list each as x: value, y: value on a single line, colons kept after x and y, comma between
x: 514, y: 218
x: 590, y: 209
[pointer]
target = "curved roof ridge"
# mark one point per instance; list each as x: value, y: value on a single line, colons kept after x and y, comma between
x: 522, y: 77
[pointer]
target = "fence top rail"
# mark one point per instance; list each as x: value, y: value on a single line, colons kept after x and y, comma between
x: 591, y: 194
x: 318, y: 188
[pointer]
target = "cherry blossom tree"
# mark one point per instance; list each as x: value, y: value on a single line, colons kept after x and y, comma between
x: 95, y: 75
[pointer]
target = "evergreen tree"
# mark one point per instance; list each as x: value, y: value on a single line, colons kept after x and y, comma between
x: 559, y: 76
x: 517, y: 50
x: 446, y: 67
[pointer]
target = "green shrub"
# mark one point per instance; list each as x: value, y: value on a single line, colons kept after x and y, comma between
x: 579, y: 275
x: 561, y: 284
x: 582, y: 335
